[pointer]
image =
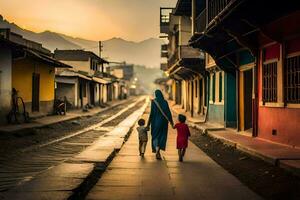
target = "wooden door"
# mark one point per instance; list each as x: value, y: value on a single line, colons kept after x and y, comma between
x: 35, y: 92
x: 92, y: 93
x: 248, y: 99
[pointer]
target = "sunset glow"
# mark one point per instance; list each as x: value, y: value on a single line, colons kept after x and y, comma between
x: 90, y: 19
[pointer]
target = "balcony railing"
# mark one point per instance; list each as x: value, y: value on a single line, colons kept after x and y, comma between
x: 182, y: 52
x: 201, y: 22
x: 165, y: 19
x: 215, y: 7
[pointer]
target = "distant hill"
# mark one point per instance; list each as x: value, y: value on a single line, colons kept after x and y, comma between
x: 145, y: 53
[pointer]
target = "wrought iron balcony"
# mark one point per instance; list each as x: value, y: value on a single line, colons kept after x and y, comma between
x: 165, y: 19
x: 215, y: 7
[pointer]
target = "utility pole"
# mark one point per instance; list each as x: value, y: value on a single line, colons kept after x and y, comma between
x: 100, y: 48
x: 100, y: 51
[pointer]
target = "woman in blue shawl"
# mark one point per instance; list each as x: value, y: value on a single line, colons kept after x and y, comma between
x: 159, y: 118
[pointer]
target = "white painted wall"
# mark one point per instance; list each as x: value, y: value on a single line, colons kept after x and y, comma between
x: 183, y: 94
x: 105, y: 93
x: 5, y: 82
x: 75, y: 94
x: 116, y: 90
x: 196, y: 95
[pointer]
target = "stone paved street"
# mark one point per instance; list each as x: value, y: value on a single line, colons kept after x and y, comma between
x: 198, y: 177
x: 18, y: 169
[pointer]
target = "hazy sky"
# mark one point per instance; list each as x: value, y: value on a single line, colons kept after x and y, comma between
x: 91, y: 19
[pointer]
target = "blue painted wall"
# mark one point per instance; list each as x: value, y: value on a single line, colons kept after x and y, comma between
x: 215, y: 112
x: 245, y: 57
x: 224, y: 114
x: 230, y: 100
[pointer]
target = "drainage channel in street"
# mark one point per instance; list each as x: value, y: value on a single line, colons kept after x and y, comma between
x: 34, y: 160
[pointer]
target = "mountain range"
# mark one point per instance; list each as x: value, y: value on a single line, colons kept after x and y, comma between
x: 146, y: 52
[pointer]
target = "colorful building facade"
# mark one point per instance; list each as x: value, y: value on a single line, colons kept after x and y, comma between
x: 90, y: 85
x: 261, y: 55
x: 27, y: 73
x: 220, y: 94
x: 185, y: 65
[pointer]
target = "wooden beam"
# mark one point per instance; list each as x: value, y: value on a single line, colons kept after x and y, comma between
x: 263, y: 31
x: 242, y: 41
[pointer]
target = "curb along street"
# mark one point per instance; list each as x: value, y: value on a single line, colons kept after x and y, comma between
x: 73, y: 178
x: 267, y: 155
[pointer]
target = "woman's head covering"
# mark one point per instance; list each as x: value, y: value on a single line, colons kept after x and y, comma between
x: 159, y: 97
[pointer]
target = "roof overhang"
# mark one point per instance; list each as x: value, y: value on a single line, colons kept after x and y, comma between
x: 46, y: 59
x: 33, y: 53
x: 101, y: 80
x: 237, y: 28
x: 187, y: 68
x: 69, y: 73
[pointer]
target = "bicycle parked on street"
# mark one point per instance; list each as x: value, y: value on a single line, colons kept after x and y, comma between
x: 18, y: 113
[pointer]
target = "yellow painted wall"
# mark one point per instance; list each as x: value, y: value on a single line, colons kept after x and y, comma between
x: 22, y: 71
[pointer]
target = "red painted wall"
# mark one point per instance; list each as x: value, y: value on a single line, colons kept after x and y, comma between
x: 285, y: 120
x: 293, y: 45
x: 272, y: 52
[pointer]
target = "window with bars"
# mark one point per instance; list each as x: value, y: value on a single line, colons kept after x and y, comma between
x: 292, y: 79
x: 269, y: 84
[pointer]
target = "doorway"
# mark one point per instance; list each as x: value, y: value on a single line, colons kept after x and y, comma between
x: 35, y: 92
x: 248, y: 89
x: 201, y: 103
x: 92, y: 93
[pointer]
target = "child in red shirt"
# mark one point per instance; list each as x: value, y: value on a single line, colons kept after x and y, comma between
x: 183, y: 134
